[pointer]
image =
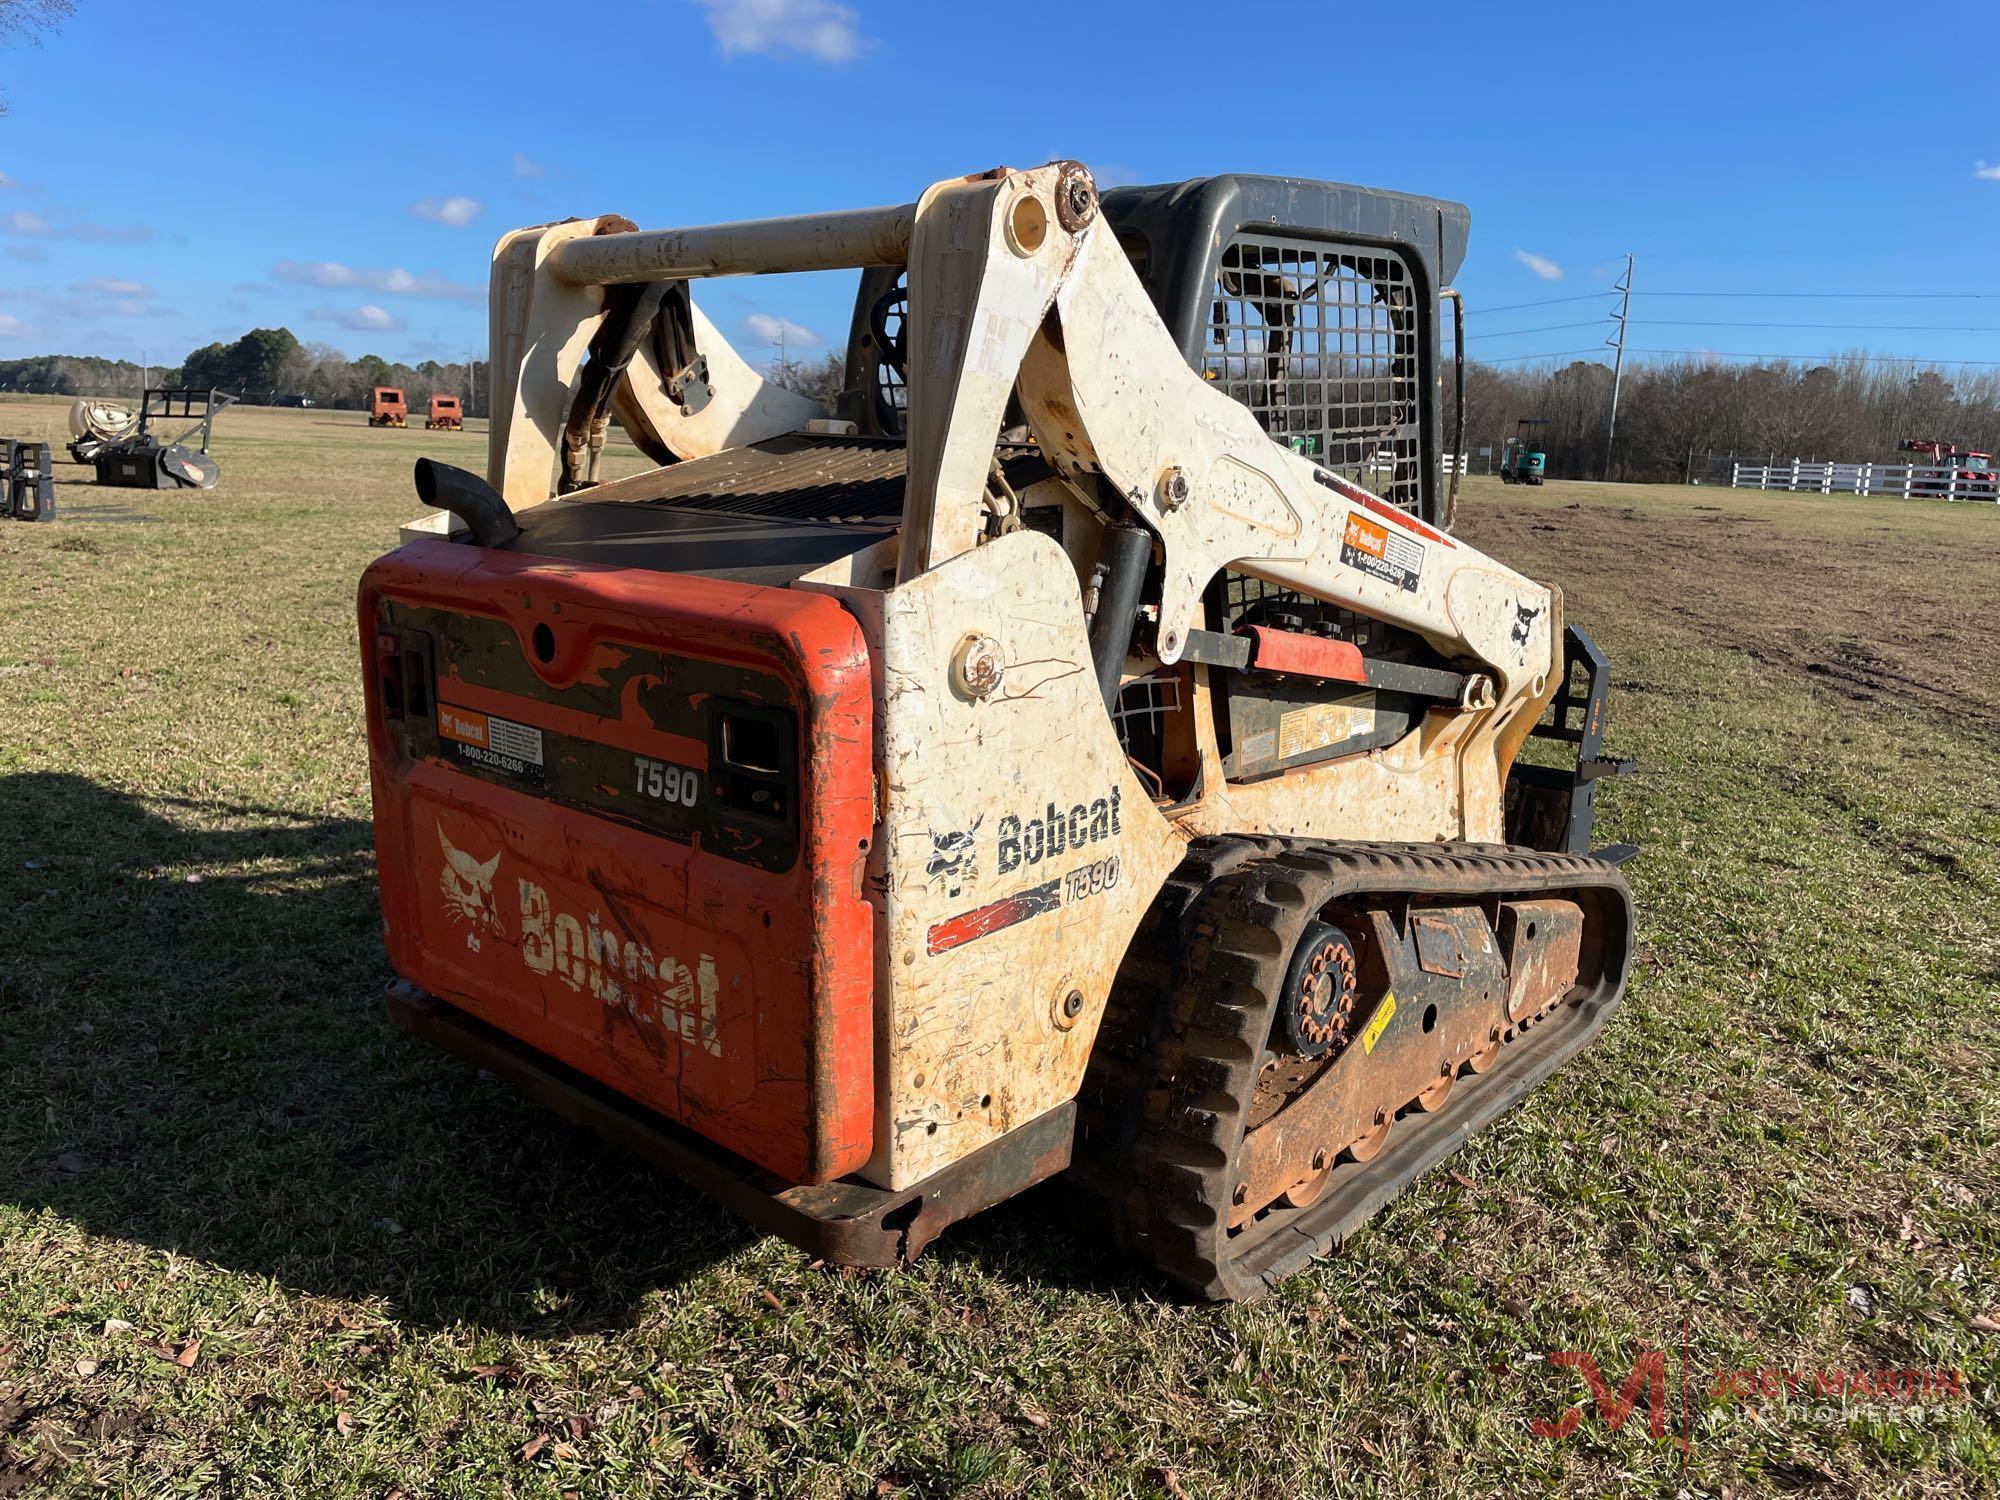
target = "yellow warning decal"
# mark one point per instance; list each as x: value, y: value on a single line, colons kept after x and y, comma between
x: 1382, y: 1013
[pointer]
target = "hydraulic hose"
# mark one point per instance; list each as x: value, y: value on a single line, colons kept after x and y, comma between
x: 1123, y: 556
x: 629, y: 315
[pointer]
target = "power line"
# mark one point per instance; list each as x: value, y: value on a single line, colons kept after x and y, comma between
x: 1882, y: 296
x: 1858, y: 327
x: 1825, y: 359
x: 1505, y: 359
x: 1520, y: 332
x: 1545, y: 302
x: 1816, y: 359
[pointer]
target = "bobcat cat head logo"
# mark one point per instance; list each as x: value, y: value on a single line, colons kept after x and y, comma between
x: 1524, y: 620
x: 954, y: 861
x: 468, y: 886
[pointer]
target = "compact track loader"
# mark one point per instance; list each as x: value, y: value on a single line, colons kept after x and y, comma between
x: 1054, y: 759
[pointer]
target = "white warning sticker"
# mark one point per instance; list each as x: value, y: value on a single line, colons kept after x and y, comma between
x: 521, y: 742
x: 491, y: 741
x: 1381, y: 553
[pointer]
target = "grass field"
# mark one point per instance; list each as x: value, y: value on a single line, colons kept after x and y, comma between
x: 254, y: 1242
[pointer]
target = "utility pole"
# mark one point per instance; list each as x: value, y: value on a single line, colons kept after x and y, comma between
x: 1618, y: 363
x: 471, y: 384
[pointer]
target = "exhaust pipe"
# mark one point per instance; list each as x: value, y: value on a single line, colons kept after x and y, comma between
x: 470, y: 498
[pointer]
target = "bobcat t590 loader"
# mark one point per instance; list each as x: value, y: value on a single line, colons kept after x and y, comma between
x: 1085, y: 749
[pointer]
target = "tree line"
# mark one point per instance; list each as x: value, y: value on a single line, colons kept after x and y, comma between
x: 1852, y: 409
x: 1670, y: 414
x: 265, y: 367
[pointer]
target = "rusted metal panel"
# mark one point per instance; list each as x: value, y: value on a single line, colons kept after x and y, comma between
x: 1543, y: 941
x: 1430, y: 998
x: 1018, y: 850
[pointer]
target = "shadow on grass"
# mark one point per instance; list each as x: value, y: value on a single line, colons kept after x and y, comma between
x: 194, y: 1055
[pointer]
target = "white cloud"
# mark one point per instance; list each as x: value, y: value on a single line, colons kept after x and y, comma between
x: 824, y: 29
x: 367, y: 318
x: 86, y: 229
x: 6, y: 181
x: 27, y: 252
x: 332, y: 274
x: 767, y: 329
x: 456, y: 212
x: 1990, y: 173
x: 1541, y: 265
x: 525, y: 167
x: 10, y: 324
x: 100, y: 297
x: 20, y: 221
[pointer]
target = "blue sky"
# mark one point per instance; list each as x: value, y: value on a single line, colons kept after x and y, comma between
x: 364, y: 159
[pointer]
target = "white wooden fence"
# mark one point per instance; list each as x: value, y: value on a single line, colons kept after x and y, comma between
x: 1904, y: 481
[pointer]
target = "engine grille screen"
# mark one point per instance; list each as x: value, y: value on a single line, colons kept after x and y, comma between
x: 1320, y: 341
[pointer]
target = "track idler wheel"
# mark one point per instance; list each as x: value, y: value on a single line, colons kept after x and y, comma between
x: 1434, y: 1097
x: 1369, y: 1146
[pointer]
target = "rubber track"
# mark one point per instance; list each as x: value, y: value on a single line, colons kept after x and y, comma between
x: 1162, y: 1113
x: 1126, y: 1058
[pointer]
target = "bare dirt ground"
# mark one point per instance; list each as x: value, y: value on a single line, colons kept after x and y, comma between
x: 1877, y: 600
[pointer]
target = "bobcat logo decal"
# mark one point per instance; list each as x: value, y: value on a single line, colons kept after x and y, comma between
x: 1524, y: 621
x: 468, y: 890
x: 954, y: 861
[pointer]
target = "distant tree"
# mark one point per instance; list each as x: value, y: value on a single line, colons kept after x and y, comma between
x: 27, y: 20
x: 259, y: 359
x: 253, y: 367
x: 822, y: 379
x: 209, y: 366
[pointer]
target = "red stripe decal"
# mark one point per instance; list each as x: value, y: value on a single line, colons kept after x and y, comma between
x: 1403, y: 518
x: 1350, y: 491
x: 955, y: 932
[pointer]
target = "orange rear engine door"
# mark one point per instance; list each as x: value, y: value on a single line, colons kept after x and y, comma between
x: 623, y: 816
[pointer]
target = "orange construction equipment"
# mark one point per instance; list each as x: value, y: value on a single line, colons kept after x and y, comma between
x: 386, y: 408
x: 445, y: 413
